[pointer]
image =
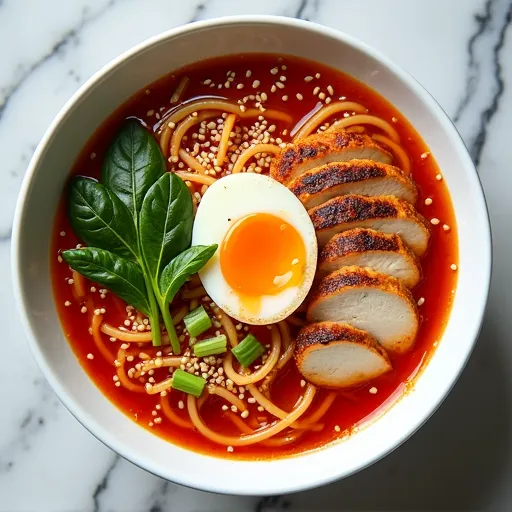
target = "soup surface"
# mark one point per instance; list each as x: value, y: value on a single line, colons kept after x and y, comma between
x: 266, y: 82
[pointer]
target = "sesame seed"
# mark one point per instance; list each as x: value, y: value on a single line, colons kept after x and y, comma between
x: 280, y: 85
x: 434, y: 221
x: 439, y: 177
x: 299, y: 96
x: 90, y: 356
x: 424, y: 155
x: 93, y: 156
x: 330, y: 90
x: 248, y: 73
x: 59, y: 258
x: 256, y: 84
x: 242, y: 108
x: 337, y: 428
x: 446, y: 227
x: 273, y: 89
x: 373, y: 390
x: 394, y: 119
x: 240, y: 86
x: 234, y: 408
x: 428, y: 201
x: 225, y: 407
x: 62, y: 233
x: 83, y: 309
x: 282, y: 78
x: 421, y: 301
x: 453, y: 266
x: 327, y: 100
x: 245, y: 414
x: 229, y: 449
x: 308, y: 78
x: 321, y: 96
x: 317, y: 75
x: 316, y: 90
x: 274, y: 71
x: 67, y: 303
x: 158, y: 420
x: 285, y: 98
x: 302, y: 383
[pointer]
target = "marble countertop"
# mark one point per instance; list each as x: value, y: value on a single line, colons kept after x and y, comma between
x: 461, y: 51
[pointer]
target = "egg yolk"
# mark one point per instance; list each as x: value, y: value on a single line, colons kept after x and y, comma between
x: 262, y: 255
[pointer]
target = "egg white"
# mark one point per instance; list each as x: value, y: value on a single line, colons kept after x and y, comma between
x: 225, y: 202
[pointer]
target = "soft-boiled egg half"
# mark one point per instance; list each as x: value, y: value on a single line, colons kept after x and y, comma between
x: 266, y: 259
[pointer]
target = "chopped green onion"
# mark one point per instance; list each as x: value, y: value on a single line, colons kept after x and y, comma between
x: 211, y: 346
x: 191, y: 384
x: 197, y: 322
x: 248, y: 350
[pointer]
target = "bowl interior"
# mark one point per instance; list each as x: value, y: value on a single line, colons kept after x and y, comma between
x: 43, y: 187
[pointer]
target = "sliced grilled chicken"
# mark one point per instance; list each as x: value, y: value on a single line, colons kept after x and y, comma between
x: 336, y: 355
x: 363, y: 177
x: 387, y: 214
x: 382, y: 252
x: 323, y: 148
x: 367, y: 300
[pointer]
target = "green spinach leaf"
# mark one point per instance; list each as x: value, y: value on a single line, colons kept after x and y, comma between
x: 100, y: 219
x: 122, y: 277
x: 182, y: 267
x: 132, y: 164
x: 165, y: 222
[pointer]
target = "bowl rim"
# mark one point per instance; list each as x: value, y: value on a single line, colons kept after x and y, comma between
x: 88, y: 420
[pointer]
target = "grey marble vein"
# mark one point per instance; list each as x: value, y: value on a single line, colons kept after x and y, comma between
x: 29, y: 429
x: 69, y: 37
x: 307, y: 9
x: 5, y: 236
x: 199, y: 12
x: 160, y: 501
x: 104, y: 483
x: 493, y: 24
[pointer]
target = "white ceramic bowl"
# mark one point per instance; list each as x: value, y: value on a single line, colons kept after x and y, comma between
x: 43, y: 185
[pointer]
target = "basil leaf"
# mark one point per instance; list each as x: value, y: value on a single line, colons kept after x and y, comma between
x: 122, y: 277
x: 100, y: 219
x: 132, y: 164
x: 182, y: 267
x: 165, y: 222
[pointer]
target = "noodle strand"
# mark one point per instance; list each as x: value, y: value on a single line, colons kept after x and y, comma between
x: 185, y: 125
x: 367, y: 119
x: 250, y: 152
x: 251, y: 378
x: 403, y: 159
x: 98, y: 340
x: 121, y: 374
x: 229, y: 123
x: 221, y: 104
x: 171, y: 415
x: 256, y: 437
x: 319, y: 117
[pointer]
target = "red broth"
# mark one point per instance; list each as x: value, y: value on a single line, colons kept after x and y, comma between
x: 351, y: 408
